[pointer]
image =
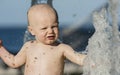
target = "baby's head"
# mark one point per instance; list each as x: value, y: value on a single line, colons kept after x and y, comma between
x: 43, y: 23
x: 41, y: 12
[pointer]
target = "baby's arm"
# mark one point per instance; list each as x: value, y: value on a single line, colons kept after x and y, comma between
x: 10, y: 59
x: 73, y: 56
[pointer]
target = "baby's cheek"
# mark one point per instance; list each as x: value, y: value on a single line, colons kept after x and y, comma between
x: 41, y: 35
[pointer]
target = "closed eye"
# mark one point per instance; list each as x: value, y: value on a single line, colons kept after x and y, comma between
x: 54, y: 26
x: 44, y: 28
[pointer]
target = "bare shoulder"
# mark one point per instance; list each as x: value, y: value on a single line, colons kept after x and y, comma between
x: 65, y: 47
x: 28, y: 44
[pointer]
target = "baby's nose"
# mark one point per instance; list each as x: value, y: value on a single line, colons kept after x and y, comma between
x: 50, y: 30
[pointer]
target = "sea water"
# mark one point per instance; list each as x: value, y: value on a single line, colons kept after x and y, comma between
x: 12, y: 38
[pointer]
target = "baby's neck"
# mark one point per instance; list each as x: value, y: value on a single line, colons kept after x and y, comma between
x: 56, y: 43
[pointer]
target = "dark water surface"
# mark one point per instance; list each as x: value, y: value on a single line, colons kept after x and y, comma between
x: 12, y: 38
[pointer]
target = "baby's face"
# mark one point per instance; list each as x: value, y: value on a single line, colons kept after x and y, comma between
x: 44, y: 27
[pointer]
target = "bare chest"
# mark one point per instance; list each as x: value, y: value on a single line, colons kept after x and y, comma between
x: 45, y: 56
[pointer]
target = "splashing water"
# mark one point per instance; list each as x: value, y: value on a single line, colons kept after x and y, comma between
x: 98, y: 47
x: 103, y: 47
x: 115, y: 49
x: 38, y: 2
x: 28, y: 36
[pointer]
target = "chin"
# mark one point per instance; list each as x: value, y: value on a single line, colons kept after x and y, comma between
x: 50, y: 42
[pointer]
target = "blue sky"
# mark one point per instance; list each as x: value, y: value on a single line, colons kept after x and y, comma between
x: 13, y: 12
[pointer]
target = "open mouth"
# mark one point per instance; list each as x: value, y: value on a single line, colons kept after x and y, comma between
x: 51, y: 37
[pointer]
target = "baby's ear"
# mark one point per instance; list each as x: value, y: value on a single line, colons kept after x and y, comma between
x: 30, y: 29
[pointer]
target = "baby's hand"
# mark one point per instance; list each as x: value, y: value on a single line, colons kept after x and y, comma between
x: 0, y: 46
x: 0, y: 43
